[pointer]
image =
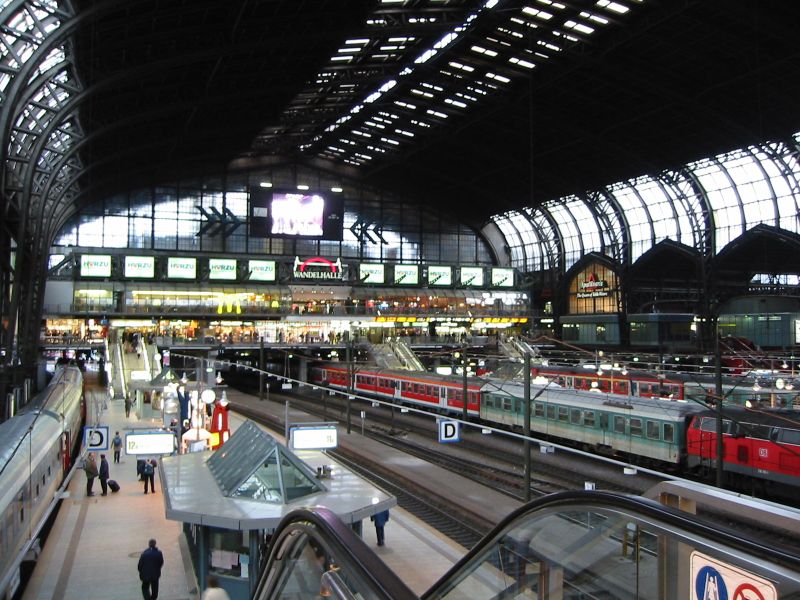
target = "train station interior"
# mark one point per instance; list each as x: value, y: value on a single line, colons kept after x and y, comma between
x: 490, y: 228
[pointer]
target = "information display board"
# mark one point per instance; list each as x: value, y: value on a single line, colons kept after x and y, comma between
x: 472, y: 276
x: 140, y: 267
x: 96, y: 265
x: 440, y: 275
x: 261, y: 270
x: 406, y: 274
x: 181, y: 268
x: 371, y: 273
x: 222, y: 268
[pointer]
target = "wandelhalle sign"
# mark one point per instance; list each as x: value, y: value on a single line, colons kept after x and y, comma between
x: 317, y: 268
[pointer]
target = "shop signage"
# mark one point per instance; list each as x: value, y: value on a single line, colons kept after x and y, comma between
x: 261, y: 270
x: 593, y: 287
x: 96, y: 265
x: 140, y: 267
x: 406, y: 274
x: 438, y: 275
x: 502, y: 277
x: 317, y: 268
x: 222, y: 268
x: 181, y: 268
x: 472, y: 276
x: 371, y: 273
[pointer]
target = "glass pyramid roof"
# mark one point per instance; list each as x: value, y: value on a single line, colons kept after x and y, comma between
x: 253, y: 465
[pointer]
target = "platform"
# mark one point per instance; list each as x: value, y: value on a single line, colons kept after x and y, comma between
x: 95, y: 542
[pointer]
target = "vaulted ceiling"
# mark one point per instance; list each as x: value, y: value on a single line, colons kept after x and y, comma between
x: 472, y: 106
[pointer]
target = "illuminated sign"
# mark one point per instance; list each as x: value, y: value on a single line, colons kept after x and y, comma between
x: 502, y: 277
x: 472, y: 276
x: 593, y: 287
x: 440, y: 275
x: 140, y: 267
x: 151, y: 442
x: 222, y: 268
x: 371, y: 273
x: 261, y: 270
x: 96, y: 265
x: 406, y: 274
x: 317, y: 268
x: 313, y: 438
x: 182, y: 268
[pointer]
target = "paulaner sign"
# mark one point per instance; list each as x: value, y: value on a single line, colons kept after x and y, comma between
x: 593, y: 287
x: 317, y: 268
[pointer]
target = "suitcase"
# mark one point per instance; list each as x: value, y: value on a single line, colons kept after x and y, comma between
x: 113, y: 485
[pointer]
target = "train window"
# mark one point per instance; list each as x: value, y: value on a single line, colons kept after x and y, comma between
x: 37, y: 491
x: 575, y: 416
x: 551, y: 412
x: 506, y: 404
x: 789, y: 436
x: 653, y: 430
x: 563, y: 413
x: 760, y: 432
x: 709, y: 424
x: 43, y: 479
x: 669, y: 432
x: 619, y: 424
x: 538, y: 409
x: 48, y: 470
x: 588, y: 418
x: 636, y: 427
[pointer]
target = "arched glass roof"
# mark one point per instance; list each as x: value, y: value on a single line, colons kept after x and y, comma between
x: 705, y: 205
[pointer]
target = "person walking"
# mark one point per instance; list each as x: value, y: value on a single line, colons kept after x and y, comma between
x: 128, y: 405
x: 149, y: 474
x: 116, y: 443
x: 90, y: 467
x: 150, y: 563
x: 104, y: 475
x: 380, y: 520
x: 213, y: 591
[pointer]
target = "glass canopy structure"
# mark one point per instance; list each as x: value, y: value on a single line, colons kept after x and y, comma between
x: 705, y: 205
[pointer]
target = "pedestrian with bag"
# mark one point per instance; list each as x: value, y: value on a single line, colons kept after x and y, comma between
x: 104, y: 475
x: 150, y: 563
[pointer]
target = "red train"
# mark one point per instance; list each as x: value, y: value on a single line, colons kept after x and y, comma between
x: 760, y: 444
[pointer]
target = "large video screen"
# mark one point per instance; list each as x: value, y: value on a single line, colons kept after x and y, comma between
x: 275, y: 213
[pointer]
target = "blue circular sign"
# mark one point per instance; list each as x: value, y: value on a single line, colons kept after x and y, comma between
x: 709, y: 585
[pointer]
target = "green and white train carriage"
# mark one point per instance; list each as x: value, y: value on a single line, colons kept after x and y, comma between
x: 649, y: 428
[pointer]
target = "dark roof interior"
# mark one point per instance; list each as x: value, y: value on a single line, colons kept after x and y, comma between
x: 179, y: 88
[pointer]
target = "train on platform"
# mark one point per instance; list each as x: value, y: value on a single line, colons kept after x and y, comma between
x: 755, y: 388
x: 37, y: 449
x: 665, y: 434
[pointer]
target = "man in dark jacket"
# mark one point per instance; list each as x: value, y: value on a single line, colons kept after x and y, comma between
x: 380, y: 520
x: 150, y: 563
x: 104, y: 474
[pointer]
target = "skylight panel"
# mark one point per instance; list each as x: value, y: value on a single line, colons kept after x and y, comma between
x: 404, y: 132
x: 486, y: 51
x: 536, y: 13
x: 436, y: 113
x: 511, y: 32
x: 361, y: 133
x: 579, y: 27
x: 392, y: 141
x: 341, y: 58
x: 420, y: 123
x: 462, y: 67
x: 497, y: 77
x: 358, y: 41
x: 521, y: 62
x: 406, y: 105
x: 596, y: 18
x: 422, y: 93
x: 615, y: 7
x: 456, y: 103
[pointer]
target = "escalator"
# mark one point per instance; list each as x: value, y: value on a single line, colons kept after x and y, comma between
x: 575, y: 545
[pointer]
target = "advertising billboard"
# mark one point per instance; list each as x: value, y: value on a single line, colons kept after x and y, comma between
x: 502, y: 277
x: 222, y: 268
x: 181, y: 268
x: 140, y: 267
x: 439, y: 275
x: 261, y: 270
x: 96, y: 265
x: 406, y: 274
x: 472, y: 276
x: 371, y: 273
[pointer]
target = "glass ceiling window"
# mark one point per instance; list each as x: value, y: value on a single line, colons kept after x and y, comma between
x: 740, y: 190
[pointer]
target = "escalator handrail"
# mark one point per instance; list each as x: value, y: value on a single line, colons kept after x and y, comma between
x: 636, y: 505
x: 347, y: 546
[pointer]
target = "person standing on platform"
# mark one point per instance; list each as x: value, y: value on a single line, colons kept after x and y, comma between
x: 116, y: 443
x: 380, y: 520
x: 213, y: 591
x: 149, y: 474
x: 90, y: 466
x: 127, y: 405
x: 104, y: 475
x: 150, y: 563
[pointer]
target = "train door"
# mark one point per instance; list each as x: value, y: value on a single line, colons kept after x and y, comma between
x: 397, y: 394
x: 605, y: 436
x: 66, y: 458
